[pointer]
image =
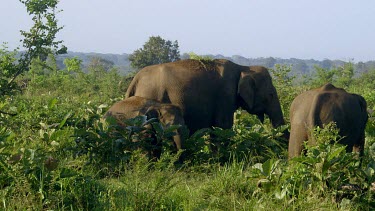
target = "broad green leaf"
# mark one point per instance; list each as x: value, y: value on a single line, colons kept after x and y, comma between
x: 66, y: 117
x: 336, y: 151
x: 52, y: 103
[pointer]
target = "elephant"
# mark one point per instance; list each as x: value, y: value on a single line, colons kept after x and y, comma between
x: 321, y: 106
x: 209, y: 92
x: 131, y: 107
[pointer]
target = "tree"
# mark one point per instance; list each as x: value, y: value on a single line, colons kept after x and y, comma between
x: 283, y: 82
x: 40, y: 40
x: 323, y: 76
x: 300, y: 67
x: 51, y: 63
x: 99, y: 65
x: 155, y: 51
x: 366, y: 79
x: 360, y: 67
x: 38, y: 43
x: 43, y: 67
x: 345, y: 75
x: 326, y: 64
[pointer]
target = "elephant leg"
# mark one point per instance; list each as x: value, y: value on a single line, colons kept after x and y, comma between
x: 358, y: 147
x: 179, y: 144
x: 178, y: 140
x: 223, y: 116
x: 298, y: 134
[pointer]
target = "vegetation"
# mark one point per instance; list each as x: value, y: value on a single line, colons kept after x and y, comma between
x: 193, y: 55
x: 155, y: 51
x: 299, y: 67
x: 57, y: 153
x: 39, y: 42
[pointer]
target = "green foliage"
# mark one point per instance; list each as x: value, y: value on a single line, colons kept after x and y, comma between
x: 39, y: 42
x: 253, y: 144
x: 341, y: 76
x: 73, y: 64
x: 99, y: 65
x: 8, y: 69
x: 326, y: 166
x: 35, y: 147
x: 345, y: 75
x: 155, y: 51
x: 323, y: 76
x: 110, y: 144
x: 367, y: 78
x: 370, y: 127
x: 283, y: 82
x: 57, y: 153
x: 41, y: 37
x: 326, y: 170
x: 270, y: 172
x: 195, y: 56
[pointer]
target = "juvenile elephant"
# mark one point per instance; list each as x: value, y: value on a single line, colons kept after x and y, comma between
x: 208, y: 92
x: 131, y: 107
x: 324, y: 105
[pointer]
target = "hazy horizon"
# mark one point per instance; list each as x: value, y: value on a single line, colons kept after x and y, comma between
x: 252, y: 29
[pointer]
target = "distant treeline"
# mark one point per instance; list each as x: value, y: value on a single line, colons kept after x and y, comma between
x: 299, y: 66
x: 121, y: 61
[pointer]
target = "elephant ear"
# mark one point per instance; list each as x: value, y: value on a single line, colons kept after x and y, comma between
x: 245, y: 91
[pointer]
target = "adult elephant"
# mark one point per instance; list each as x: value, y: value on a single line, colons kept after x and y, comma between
x: 208, y: 92
x: 134, y: 106
x: 324, y: 105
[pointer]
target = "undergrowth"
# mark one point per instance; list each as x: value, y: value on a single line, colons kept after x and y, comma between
x: 57, y: 153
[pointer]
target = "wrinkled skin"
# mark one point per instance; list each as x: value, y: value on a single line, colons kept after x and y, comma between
x: 324, y: 105
x: 135, y: 106
x: 208, y: 92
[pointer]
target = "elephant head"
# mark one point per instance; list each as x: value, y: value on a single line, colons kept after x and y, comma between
x: 131, y: 107
x: 257, y: 95
x: 168, y: 115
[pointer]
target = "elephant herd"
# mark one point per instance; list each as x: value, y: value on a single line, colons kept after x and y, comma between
x: 202, y: 94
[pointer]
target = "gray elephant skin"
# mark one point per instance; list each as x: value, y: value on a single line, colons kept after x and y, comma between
x: 135, y: 106
x: 209, y: 92
x: 321, y: 106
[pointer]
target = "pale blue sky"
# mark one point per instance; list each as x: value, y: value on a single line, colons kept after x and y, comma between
x: 306, y: 29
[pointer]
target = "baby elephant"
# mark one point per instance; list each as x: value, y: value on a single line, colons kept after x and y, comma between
x: 131, y: 107
x: 324, y: 105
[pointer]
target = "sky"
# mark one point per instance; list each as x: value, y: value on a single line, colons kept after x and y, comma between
x: 304, y: 29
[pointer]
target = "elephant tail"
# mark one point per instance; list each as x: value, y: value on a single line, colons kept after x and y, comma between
x: 131, y: 89
x: 314, y: 115
x: 363, y: 105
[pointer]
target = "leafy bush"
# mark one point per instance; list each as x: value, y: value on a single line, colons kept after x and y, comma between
x: 326, y: 166
x: 325, y: 170
x: 248, y: 140
x: 109, y: 143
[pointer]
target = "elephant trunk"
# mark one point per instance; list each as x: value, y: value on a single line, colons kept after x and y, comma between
x: 275, y: 114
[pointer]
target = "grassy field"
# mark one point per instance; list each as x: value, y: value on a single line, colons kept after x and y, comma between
x: 58, y: 154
